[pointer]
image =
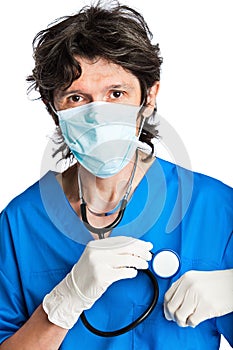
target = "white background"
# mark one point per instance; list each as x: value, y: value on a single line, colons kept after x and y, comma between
x: 195, y: 98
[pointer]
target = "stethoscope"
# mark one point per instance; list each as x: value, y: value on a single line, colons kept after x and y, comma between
x: 83, y: 206
x: 165, y: 263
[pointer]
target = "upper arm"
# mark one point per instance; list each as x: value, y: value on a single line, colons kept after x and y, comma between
x: 13, y: 312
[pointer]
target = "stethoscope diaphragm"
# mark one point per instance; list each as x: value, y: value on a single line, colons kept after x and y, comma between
x: 165, y: 263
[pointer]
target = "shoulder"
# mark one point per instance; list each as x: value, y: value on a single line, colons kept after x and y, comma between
x: 199, y: 196
x: 202, y: 185
x: 28, y: 199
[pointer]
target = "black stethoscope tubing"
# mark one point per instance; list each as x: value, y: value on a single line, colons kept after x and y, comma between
x: 133, y: 324
x: 102, y: 230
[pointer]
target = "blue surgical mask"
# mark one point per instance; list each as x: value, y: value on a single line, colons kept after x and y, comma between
x: 101, y: 135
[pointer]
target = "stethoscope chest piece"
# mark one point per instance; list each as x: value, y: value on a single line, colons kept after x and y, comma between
x: 166, y: 263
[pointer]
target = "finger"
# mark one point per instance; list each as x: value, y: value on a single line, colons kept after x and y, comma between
x: 199, y: 315
x: 172, y: 301
x: 124, y: 245
x: 111, y: 242
x: 185, y: 310
x: 118, y: 242
x: 114, y: 275
x: 120, y: 261
x: 138, y: 248
x: 142, y: 255
x: 172, y: 290
x: 123, y: 273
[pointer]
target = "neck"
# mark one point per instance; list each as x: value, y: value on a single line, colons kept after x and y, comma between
x: 106, y: 194
x: 101, y: 195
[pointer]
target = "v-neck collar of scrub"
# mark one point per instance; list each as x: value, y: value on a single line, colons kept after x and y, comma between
x: 63, y: 216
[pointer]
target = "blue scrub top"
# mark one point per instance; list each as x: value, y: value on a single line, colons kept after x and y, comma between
x: 41, y: 238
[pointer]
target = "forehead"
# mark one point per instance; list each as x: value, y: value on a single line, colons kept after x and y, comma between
x: 100, y: 72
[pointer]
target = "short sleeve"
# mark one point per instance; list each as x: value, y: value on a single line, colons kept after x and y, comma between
x: 225, y: 323
x: 12, y: 305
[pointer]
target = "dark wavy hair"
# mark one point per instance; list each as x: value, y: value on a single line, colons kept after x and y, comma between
x: 108, y: 30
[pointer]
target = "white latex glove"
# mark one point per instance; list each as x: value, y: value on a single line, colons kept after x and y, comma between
x: 102, y: 263
x: 199, y: 295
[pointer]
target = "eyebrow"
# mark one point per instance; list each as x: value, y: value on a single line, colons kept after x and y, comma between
x: 63, y: 93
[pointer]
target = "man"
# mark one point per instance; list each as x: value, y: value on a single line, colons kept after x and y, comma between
x: 98, y: 74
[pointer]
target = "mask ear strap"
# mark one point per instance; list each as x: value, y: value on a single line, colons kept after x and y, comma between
x: 142, y: 121
x: 53, y: 109
x: 140, y: 115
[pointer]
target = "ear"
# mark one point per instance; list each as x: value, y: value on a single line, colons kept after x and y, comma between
x: 151, y: 99
x: 51, y: 112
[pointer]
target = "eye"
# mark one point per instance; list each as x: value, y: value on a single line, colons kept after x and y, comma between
x: 75, y: 98
x: 116, y: 94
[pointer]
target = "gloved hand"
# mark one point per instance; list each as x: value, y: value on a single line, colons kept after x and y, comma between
x: 102, y: 263
x: 199, y: 295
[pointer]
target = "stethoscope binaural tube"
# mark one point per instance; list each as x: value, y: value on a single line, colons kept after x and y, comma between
x: 136, y: 322
x: 102, y: 230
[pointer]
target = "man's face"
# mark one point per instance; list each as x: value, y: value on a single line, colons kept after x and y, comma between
x: 100, y: 81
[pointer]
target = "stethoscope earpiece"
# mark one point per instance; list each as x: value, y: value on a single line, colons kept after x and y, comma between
x: 165, y: 263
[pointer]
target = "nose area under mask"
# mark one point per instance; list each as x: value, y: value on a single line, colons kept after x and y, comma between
x: 101, y: 135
